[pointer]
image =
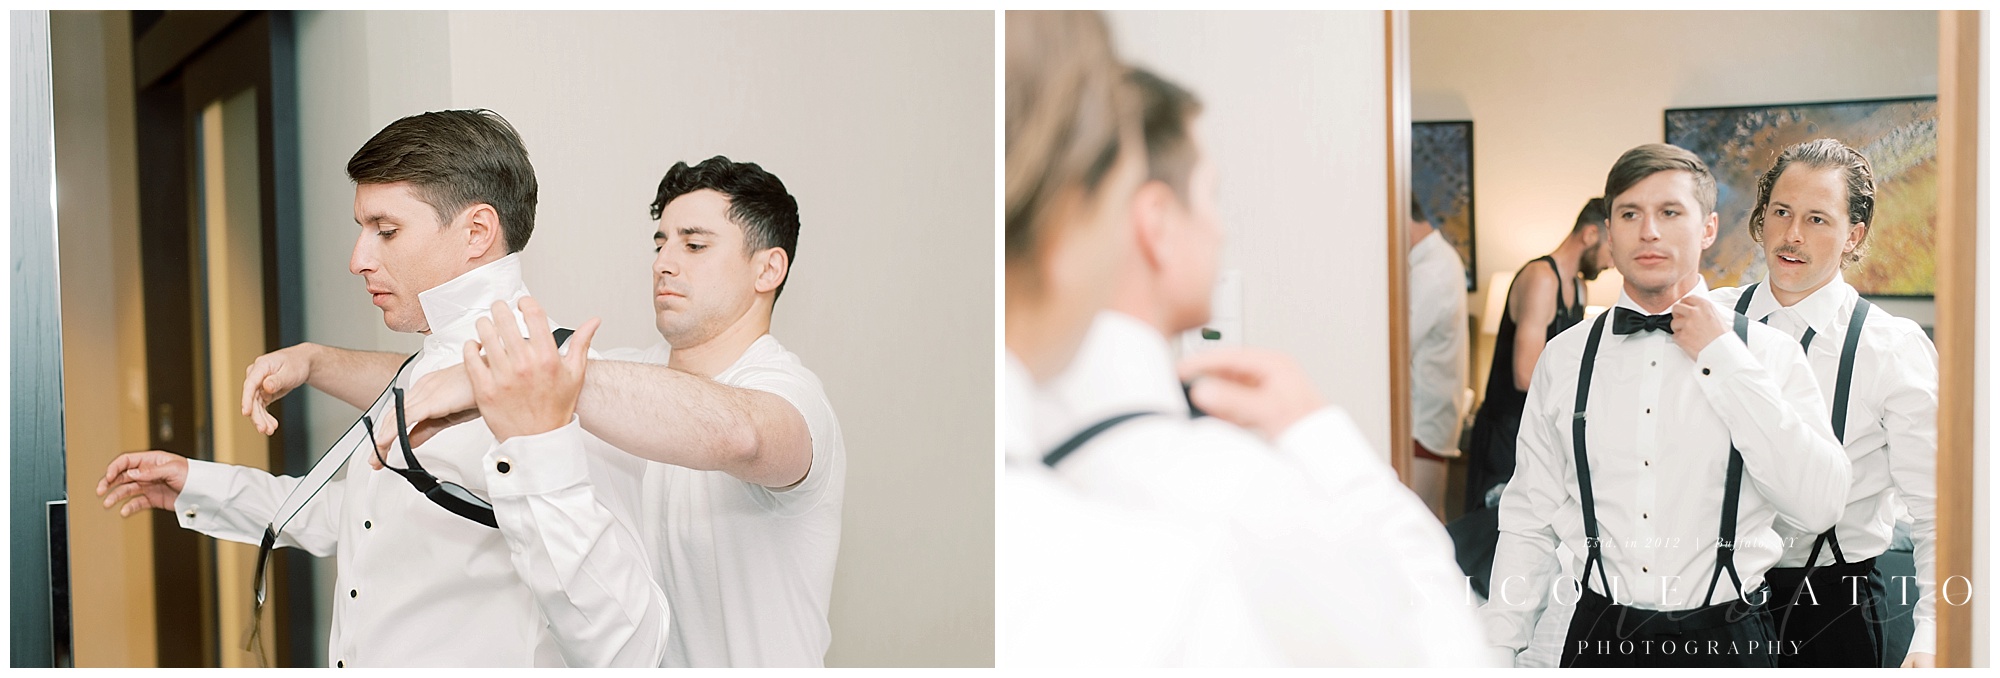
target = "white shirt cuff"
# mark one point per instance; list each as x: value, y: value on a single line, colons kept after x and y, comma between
x: 537, y: 464
x: 201, y: 495
x: 1925, y: 639
x: 1722, y: 359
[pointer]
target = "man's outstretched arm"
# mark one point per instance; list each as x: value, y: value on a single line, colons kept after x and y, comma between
x: 355, y: 377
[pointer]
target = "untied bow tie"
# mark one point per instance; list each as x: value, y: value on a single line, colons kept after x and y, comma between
x: 1627, y: 321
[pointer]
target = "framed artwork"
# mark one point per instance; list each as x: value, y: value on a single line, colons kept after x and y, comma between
x: 1441, y: 183
x: 1899, y: 136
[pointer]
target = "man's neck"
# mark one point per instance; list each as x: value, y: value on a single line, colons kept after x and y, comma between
x: 1786, y: 299
x: 1569, y: 258
x: 1659, y: 301
x: 717, y: 353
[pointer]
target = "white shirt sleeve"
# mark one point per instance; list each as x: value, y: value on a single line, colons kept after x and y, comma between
x: 1774, y: 410
x: 1909, y: 414
x: 237, y: 503
x: 1399, y: 534
x: 802, y: 390
x: 1524, y: 560
x: 588, y: 569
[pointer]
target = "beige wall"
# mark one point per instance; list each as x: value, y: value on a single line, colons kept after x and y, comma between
x: 1295, y: 117
x: 880, y: 123
x: 1555, y: 97
x: 104, y: 369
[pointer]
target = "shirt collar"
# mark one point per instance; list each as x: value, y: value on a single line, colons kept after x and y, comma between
x: 1018, y: 428
x: 1625, y: 300
x: 453, y: 307
x: 1123, y: 365
x: 1820, y: 310
x: 1429, y: 246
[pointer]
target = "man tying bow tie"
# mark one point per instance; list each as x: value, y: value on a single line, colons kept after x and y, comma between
x: 1677, y: 462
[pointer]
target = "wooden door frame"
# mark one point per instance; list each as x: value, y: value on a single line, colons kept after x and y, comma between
x: 181, y: 60
x: 1396, y: 33
x: 1958, y: 247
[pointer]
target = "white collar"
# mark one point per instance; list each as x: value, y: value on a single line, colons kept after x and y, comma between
x: 1820, y: 310
x: 453, y: 307
x: 1123, y: 365
x: 1625, y: 299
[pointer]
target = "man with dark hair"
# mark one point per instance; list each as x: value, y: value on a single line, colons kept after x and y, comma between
x: 449, y: 564
x: 1537, y: 299
x: 741, y: 506
x: 1661, y: 442
x: 1285, y: 481
x: 1815, y: 209
x: 1439, y: 350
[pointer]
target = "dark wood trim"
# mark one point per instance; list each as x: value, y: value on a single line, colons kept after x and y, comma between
x: 1957, y: 317
x: 164, y: 46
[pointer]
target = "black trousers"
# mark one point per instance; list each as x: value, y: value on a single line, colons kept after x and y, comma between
x: 1838, y: 623
x: 1725, y: 635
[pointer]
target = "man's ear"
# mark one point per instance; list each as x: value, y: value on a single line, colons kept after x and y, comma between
x: 772, y: 267
x: 1855, y: 235
x: 1149, y: 221
x: 1708, y: 230
x: 482, y: 231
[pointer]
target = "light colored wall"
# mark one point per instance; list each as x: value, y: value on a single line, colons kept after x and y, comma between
x: 1555, y: 97
x: 1295, y: 116
x: 104, y: 347
x: 881, y: 124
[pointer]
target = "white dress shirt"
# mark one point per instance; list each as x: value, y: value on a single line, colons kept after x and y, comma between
x: 1438, y: 344
x: 1334, y: 561
x: 1891, y: 431
x: 416, y: 585
x: 1082, y: 582
x: 749, y: 568
x: 1659, y: 432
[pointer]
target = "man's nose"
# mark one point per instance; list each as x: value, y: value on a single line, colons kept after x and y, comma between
x: 360, y: 261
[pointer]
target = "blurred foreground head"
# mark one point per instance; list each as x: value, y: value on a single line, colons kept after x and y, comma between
x: 1074, y: 158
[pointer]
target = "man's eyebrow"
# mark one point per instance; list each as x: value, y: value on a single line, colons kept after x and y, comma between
x: 695, y: 230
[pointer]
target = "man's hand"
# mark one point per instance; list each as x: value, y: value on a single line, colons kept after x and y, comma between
x: 439, y: 401
x: 151, y: 479
x: 523, y: 386
x: 1697, y: 321
x: 1258, y: 389
x: 269, y: 378
x: 1920, y: 660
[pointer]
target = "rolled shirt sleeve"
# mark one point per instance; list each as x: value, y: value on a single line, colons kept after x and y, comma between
x: 588, y: 568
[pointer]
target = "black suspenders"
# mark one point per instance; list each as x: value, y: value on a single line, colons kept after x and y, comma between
x: 1842, y: 384
x: 1076, y: 441
x: 1725, y: 545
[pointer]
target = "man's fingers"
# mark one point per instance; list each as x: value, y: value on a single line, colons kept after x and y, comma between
x: 579, y: 345
x: 539, y: 337
x: 491, y: 344
x: 252, y: 379
x: 1223, y: 399
x: 1242, y: 365
x: 510, y: 337
x: 139, y: 503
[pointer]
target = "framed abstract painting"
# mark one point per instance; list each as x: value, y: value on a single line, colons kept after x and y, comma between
x: 1441, y: 183
x: 1899, y: 136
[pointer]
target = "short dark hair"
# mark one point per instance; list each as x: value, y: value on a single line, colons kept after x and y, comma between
x: 758, y: 203
x: 452, y: 160
x: 1856, y: 175
x: 1645, y: 161
x: 1165, y: 112
x: 1417, y: 212
x: 1594, y: 214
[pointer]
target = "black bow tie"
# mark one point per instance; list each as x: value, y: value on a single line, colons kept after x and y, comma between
x: 1628, y: 321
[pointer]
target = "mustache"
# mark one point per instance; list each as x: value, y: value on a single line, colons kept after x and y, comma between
x: 1793, y: 252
